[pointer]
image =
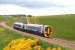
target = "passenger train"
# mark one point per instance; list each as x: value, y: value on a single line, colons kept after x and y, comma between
x: 38, y: 29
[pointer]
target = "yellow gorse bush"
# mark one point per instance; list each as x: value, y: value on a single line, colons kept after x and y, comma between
x: 26, y: 44
x: 22, y: 44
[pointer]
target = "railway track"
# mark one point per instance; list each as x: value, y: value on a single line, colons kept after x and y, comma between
x: 55, y: 41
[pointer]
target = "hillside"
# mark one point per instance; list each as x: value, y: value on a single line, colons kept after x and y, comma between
x: 63, y: 25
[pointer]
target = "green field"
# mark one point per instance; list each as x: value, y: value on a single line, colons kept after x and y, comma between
x: 63, y: 25
x: 6, y: 36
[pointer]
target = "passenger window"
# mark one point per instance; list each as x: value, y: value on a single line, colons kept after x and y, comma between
x: 18, y: 25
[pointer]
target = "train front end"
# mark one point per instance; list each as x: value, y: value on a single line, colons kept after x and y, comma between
x: 47, y: 31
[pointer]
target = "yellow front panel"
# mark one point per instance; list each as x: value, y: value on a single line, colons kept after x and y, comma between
x: 48, y: 30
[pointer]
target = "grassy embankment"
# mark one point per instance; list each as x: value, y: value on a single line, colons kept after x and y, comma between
x: 63, y: 26
x: 7, y: 35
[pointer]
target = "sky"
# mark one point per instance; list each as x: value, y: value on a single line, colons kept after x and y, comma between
x: 37, y: 7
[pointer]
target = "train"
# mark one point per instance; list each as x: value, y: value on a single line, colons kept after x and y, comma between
x: 37, y: 29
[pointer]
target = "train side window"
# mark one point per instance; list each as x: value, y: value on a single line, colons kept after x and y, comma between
x: 18, y: 25
x: 37, y: 28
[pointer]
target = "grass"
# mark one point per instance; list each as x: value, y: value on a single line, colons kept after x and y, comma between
x: 63, y: 26
x: 11, y: 20
x: 2, y: 18
x: 6, y: 36
x: 45, y: 45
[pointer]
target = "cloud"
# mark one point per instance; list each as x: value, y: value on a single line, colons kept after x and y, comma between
x: 41, y: 3
x: 65, y: 2
x: 31, y: 3
x: 37, y: 7
x: 10, y: 9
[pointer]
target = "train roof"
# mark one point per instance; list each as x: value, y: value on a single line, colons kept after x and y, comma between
x: 36, y: 25
x: 18, y: 23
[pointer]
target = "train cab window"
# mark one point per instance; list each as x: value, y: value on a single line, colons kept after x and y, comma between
x: 46, y: 28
